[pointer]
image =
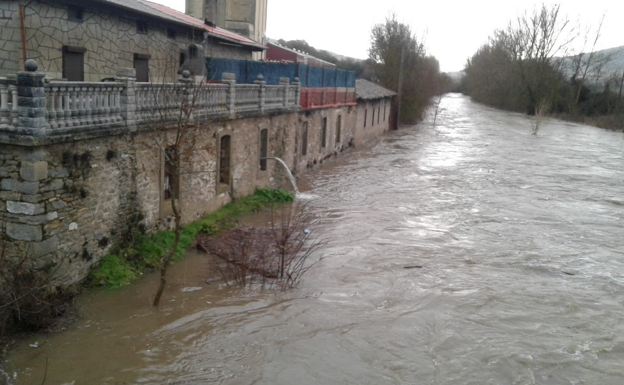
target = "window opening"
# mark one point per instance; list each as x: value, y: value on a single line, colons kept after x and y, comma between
x: 338, y: 127
x: 171, y: 185
x: 141, y: 65
x: 73, y: 63
x: 385, y: 105
x: 324, y: 133
x: 365, y: 117
x: 171, y: 33
x: 142, y: 27
x: 373, y: 119
x: 75, y: 13
x: 224, y: 160
x: 304, y: 139
x: 264, y: 144
x: 378, y: 114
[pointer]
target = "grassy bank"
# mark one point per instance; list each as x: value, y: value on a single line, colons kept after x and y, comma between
x: 610, y: 122
x: 125, y: 265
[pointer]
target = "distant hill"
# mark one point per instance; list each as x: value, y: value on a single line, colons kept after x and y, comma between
x: 614, y: 66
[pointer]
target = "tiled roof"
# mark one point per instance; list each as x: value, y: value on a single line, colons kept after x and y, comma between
x: 368, y: 90
x: 166, y: 13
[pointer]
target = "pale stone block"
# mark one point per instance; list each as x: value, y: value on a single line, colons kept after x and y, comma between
x: 73, y: 226
x: 34, y: 171
x: 21, y: 208
x: 24, y: 232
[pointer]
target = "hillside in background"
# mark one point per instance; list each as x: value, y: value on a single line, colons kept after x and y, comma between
x: 613, y: 66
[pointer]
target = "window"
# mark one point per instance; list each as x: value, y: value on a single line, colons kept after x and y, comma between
x: 75, y: 14
x: 171, y: 185
x: 365, y: 117
x: 338, y: 127
x: 304, y: 138
x: 141, y: 65
x: 224, y: 160
x: 373, y: 120
x: 182, y: 57
x: 378, y: 114
x: 73, y: 63
x: 142, y: 27
x: 385, y: 110
x: 171, y: 33
x: 264, y: 145
x: 324, y: 133
x: 193, y: 52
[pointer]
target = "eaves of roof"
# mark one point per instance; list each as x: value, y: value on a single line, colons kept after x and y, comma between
x: 163, y: 12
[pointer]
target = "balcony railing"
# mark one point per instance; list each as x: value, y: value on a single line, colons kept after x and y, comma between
x: 60, y: 107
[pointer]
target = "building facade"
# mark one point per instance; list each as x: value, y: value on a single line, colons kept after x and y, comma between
x: 88, y: 41
x: 245, y: 17
x: 375, y: 111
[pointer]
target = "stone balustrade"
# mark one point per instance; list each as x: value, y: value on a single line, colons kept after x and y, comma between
x: 31, y: 106
x: 8, y: 103
x: 79, y: 104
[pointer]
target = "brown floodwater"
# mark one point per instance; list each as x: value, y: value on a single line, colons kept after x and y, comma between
x: 516, y: 244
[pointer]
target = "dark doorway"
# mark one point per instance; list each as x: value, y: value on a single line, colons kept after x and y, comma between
x: 171, y: 185
x: 73, y: 63
x: 304, y: 139
x: 141, y: 65
x: 324, y: 133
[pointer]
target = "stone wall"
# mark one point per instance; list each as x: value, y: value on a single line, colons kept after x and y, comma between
x: 109, y: 36
x: 316, y: 153
x: 372, y: 129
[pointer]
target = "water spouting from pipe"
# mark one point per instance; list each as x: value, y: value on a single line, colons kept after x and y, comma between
x: 290, y: 175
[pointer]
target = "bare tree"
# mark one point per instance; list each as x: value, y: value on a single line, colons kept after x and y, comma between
x: 276, y: 255
x: 178, y: 125
x: 532, y: 42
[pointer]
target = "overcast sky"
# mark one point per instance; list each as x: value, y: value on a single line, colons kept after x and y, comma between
x: 453, y: 30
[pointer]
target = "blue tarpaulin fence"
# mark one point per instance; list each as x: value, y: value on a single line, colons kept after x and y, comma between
x: 247, y: 72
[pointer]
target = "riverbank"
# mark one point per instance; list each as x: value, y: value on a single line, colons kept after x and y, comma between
x: 123, y: 266
x: 613, y: 122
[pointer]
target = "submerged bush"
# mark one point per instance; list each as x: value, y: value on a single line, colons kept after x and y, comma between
x: 148, y: 251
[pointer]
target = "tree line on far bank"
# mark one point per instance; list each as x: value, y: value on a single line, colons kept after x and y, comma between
x: 391, y: 41
x: 543, y: 63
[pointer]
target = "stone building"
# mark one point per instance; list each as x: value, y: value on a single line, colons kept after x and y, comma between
x: 89, y: 40
x: 246, y: 17
x: 374, y: 110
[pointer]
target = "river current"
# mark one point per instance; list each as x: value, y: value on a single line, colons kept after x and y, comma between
x: 515, y: 249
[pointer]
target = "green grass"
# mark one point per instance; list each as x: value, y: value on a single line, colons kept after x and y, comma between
x: 147, y: 251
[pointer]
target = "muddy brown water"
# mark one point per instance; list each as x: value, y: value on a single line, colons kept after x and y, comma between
x: 520, y: 240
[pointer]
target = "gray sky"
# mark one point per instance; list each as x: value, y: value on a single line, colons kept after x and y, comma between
x: 453, y: 30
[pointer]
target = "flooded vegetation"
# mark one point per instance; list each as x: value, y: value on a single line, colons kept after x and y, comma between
x: 471, y: 252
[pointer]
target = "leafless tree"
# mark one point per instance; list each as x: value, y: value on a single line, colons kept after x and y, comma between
x: 275, y: 255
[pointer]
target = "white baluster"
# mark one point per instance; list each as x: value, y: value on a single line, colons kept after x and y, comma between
x: 14, y: 111
x: 74, y: 106
x: 66, y: 107
x: 4, y: 105
x: 60, y: 114
x: 89, y: 105
x: 81, y: 106
x: 52, y: 107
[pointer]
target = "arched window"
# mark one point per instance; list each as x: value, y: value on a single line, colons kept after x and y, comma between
x: 264, y: 148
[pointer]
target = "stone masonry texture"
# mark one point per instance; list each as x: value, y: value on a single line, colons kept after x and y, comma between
x: 109, y: 36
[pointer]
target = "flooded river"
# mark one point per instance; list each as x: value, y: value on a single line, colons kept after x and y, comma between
x: 516, y: 244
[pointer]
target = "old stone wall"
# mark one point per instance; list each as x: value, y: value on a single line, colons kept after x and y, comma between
x: 110, y: 37
x: 365, y: 127
x: 317, y: 153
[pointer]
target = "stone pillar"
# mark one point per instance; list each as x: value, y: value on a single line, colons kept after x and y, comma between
x: 229, y: 78
x: 31, y: 100
x: 297, y: 92
x: 262, y: 93
x: 187, y: 83
x: 127, y: 76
